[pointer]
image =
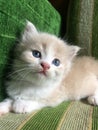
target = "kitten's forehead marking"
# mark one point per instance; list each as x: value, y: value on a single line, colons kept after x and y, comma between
x: 48, y: 51
x: 44, y: 46
x: 52, y: 50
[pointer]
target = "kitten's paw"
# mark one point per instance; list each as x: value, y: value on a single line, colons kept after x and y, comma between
x: 3, y: 110
x: 5, y: 106
x: 24, y: 106
x: 93, y: 100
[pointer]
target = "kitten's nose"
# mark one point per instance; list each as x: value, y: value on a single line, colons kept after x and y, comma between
x: 45, y: 65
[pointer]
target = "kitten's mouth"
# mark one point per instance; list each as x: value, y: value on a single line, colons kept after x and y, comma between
x: 43, y: 73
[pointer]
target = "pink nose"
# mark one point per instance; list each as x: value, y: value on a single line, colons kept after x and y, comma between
x: 45, y: 65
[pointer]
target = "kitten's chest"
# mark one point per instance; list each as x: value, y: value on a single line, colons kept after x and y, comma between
x: 36, y: 93
x: 31, y: 92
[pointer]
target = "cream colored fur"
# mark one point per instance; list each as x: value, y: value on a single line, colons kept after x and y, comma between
x: 32, y: 86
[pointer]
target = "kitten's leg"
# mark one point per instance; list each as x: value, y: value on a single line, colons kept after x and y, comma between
x: 93, y: 99
x: 5, y: 106
x: 25, y: 106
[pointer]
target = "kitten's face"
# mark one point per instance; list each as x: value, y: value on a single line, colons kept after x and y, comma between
x: 45, y: 56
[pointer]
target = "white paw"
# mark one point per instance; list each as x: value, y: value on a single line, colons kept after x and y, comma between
x: 5, y: 106
x: 93, y: 100
x: 24, y: 106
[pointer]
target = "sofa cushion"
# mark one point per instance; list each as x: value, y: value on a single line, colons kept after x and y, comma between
x: 82, y: 25
x: 74, y: 115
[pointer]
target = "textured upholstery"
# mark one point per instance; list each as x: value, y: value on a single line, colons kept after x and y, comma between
x: 82, y: 25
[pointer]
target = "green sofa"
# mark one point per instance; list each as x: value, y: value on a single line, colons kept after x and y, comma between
x: 81, y: 29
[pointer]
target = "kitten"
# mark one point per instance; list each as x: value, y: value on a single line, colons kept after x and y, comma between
x: 47, y: 72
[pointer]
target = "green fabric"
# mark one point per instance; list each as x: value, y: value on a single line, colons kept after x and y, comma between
x: 95, y: 30
x: 66, y: 116
x: 46, y: 119
x: 12, y: 121
x: 82, y: 25
x: 13, y: 15
x: 74, y: 115
x: 95, y: 118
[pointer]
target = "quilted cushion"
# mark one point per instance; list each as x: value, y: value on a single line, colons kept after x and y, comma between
x: 13, y: 15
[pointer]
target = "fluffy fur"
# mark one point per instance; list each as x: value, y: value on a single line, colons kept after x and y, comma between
x: 47, y: 72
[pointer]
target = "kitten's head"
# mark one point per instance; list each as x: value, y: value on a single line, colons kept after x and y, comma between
x: 43, y: 57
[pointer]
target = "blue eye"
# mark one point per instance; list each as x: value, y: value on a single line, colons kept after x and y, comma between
x: 56, y: 62
x: 36, y: 53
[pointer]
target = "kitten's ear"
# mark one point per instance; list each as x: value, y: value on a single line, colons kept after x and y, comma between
x: 29, y: 31
x: 30, y: 27
x: 73, y: 51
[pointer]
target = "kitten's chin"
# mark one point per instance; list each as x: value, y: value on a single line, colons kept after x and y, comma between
x: 43, y: 73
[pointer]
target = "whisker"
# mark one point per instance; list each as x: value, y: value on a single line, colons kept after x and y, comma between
x: 22, y: 70
x: 25, y: 74
x: 15, y: 72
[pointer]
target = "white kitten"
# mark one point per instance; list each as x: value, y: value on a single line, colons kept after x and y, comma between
x: 47, y: 72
